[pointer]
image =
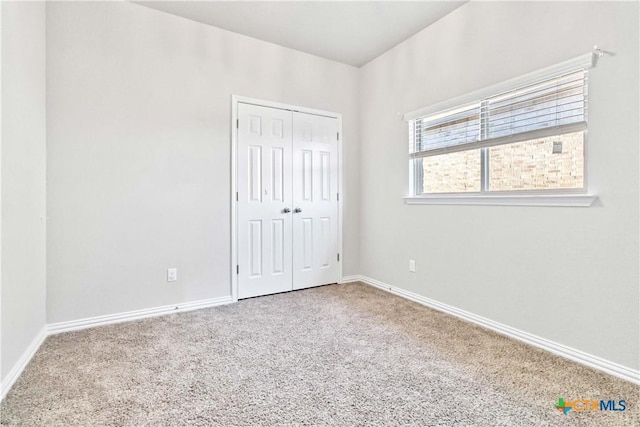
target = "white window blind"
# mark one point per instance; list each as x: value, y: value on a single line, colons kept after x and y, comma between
x: 549, y: 107
x: 456, y: 127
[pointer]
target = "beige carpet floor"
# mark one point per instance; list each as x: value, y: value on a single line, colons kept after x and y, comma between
x: 339, y: 355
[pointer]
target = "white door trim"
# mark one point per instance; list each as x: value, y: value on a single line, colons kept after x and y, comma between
x: 235, y: 100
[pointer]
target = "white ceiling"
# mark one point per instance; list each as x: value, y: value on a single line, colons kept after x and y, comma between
x: 351, y: 32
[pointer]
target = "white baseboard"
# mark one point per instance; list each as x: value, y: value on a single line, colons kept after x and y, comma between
x: 22, y: 363
x: 74, y: 325
x: 592, y: 361
x: 350, y: 279
x: 90, y: 322
x: 595, y: 362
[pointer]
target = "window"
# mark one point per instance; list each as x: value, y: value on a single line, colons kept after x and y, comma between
x: 523, y: 137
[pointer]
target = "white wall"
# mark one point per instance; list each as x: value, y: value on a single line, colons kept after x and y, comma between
x: 139, y: 106
x: 566, y: 274
x: 23, y: 157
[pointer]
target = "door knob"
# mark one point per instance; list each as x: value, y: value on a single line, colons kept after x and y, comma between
x: 286, y: 210
x: 297, y: 210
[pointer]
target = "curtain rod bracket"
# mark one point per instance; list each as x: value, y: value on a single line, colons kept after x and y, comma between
x: 599, y: 53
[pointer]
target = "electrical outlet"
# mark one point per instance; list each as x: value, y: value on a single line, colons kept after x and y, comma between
x: 172, y: 274
x: 412, y: 265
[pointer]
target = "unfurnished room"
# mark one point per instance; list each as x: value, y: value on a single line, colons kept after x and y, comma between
x: 320, y: 213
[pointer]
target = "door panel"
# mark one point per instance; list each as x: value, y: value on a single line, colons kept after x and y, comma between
x: 264, y: 191
x: 255, y: 174
x: 325, y: 248
x: 278, y: 241
x: 315, y: 190
x: 255, y: 248
x: 277, y: 166
x: 307, y: 175
x: 307, y: 243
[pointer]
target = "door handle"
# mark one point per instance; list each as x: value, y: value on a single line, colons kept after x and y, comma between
x: 286, y: 210
x: 297, y: 210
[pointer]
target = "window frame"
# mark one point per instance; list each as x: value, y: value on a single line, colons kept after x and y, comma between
x: 533, y: 197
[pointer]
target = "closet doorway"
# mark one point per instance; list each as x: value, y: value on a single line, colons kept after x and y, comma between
x: 286, y: 198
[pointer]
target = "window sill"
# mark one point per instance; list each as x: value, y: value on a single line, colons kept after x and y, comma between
x: 576, y: 200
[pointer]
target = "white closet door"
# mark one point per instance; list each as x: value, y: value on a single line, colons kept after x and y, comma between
x: 264, y: 197
x: 315, y: 191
